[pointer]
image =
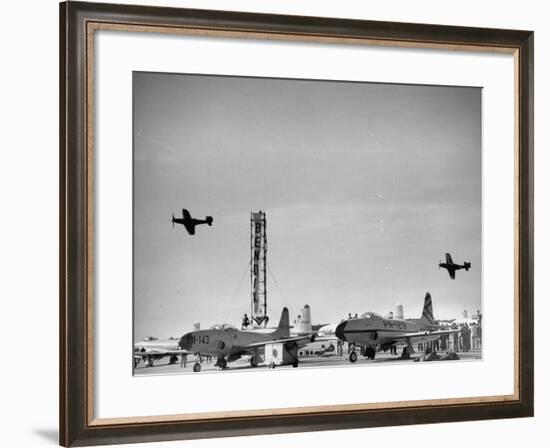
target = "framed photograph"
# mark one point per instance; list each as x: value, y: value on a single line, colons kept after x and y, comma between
x: 279, y: 224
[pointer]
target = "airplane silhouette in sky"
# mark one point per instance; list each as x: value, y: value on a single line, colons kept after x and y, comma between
x: 453, y: 267
x: 189, y: 222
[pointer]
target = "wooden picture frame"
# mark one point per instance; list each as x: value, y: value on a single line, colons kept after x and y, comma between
x: 78, y: 23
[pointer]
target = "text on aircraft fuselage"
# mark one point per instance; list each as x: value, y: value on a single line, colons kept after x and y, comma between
x: 373, y: 327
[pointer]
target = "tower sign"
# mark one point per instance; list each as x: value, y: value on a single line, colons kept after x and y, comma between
x: 258, y: 251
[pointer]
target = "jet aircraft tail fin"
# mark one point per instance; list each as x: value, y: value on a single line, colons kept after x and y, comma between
x: 428, y: 312
x: 283, y: 329
x: 302, y: 324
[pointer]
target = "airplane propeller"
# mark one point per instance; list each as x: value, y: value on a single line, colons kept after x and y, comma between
x: 172, y: 220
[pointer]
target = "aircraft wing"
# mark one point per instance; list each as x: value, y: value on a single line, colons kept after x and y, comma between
x: 186, y: 214
x: 160, y: 351
x: 448, y: 258
x: 325, y: 338
x: 190, y: 227
x: 305, y: 339
x: 452, y: 273
x: 424, y: 334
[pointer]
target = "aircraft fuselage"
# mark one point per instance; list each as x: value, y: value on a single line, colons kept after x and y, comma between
x: 376, y: 331
x: 224, y: 342
x: 453, y: 266
x: 192, y: 221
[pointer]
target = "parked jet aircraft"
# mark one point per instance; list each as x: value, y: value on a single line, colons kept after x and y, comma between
x: 189, y: 223
x: 151, y: 349
x: 302, y: 324
x: 323, y: 339
x: 327, y: 331
x: 374, y: 332
x: 453, y: 267
x: 229, y: 344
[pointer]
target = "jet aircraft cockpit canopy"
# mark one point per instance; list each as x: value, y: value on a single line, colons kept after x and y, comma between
x: 223, y: 327
x: 371, y: 315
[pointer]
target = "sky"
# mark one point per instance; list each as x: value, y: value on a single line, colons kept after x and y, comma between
x: 365, y: 187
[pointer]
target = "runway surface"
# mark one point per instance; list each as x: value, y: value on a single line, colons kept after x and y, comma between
x: 163, y: 366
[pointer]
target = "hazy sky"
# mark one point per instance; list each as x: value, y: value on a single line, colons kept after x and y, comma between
x: 365, y: 186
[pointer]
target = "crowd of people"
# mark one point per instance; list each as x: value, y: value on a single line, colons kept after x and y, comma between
x: 465, y: 340
x: 468, y: 338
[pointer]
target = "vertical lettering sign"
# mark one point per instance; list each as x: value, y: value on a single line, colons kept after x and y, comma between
x: 258, y: 266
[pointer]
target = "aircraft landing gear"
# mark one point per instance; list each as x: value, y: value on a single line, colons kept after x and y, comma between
x: 173, y: 359
x: 370, y: 352
x: 221, y: 363
x: 353, y: 356
x: 253, y: 361
x: 198, y: 362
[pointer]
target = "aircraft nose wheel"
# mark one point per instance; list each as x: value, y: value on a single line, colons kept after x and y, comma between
x: 197, y: 367
x: 352, y: 357
x: 222, y: 363
x: 253, y: 361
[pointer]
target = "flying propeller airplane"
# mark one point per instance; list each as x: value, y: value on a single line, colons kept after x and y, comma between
x: 230, y: 344
x: 453, y: 267
x: 189, y: 222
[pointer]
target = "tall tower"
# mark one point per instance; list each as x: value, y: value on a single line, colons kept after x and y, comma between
x: 258, y: 266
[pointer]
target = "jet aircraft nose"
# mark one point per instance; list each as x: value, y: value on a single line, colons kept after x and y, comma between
x: 186, y: 341
x: 339, y: 332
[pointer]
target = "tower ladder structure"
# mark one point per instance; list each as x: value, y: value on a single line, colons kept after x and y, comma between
x: 258, y: 267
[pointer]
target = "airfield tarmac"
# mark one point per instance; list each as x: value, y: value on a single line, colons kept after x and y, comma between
x: 163, y: 366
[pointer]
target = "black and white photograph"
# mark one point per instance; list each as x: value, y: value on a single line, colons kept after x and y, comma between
x: 295, y: 223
